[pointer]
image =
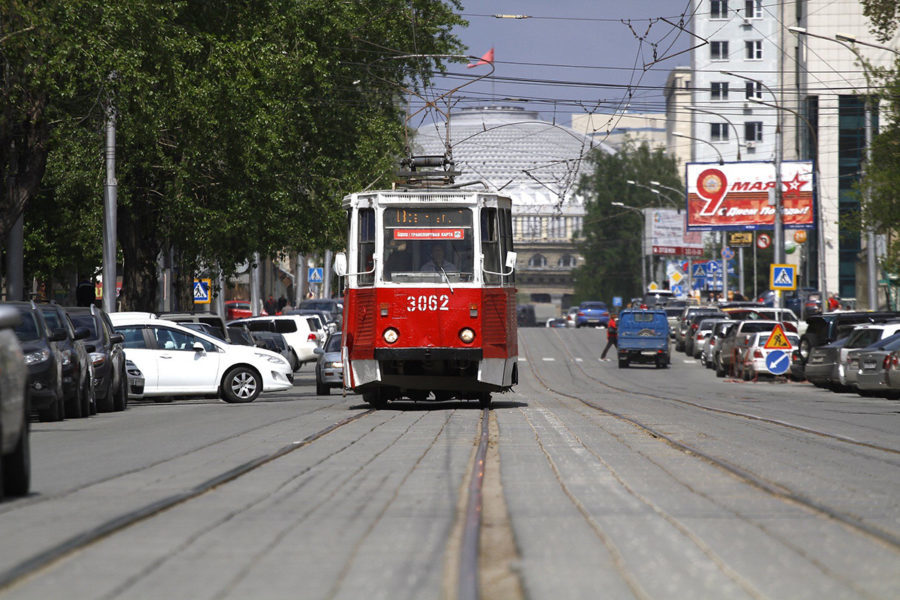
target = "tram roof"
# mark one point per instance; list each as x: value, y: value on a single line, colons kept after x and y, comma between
x: 432, y: 196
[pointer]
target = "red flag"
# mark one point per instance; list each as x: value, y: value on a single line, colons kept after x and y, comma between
x: 487, y: 59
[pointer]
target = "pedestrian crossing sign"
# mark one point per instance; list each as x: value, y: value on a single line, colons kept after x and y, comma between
x: 314, y: 275
x: 782, y: 277
x: 201, y: 291
x: 777, y: 340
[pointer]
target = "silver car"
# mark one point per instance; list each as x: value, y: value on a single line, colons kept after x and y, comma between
x: 329, y: 367
x: 875, y: 364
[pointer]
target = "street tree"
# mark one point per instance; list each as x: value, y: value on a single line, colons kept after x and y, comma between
x: 612, y: 234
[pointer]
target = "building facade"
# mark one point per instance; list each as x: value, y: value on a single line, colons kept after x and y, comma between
x: 537, y: 164
x: 614, y: 130
x: 679, y: 96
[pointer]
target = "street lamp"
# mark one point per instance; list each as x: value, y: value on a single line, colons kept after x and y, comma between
x: 871, y: 261
x: 655, y: 191
x: 643, y: 242
x: 737, y: 138
x: 690, y: 137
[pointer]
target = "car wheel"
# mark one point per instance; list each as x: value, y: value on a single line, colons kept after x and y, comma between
x: 87, y: 397
x: 241, y: 384
x: 120, y: 398
x: 322, y: 389
x: 16, y: 466
x: 74, y: 405
x: 105, y: 404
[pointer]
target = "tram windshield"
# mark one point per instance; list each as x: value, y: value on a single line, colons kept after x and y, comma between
x: 428, y: 245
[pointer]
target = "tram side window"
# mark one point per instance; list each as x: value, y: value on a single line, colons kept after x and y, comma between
x: 366, y: 246
x: 506, y: 242
x: 490, y: 245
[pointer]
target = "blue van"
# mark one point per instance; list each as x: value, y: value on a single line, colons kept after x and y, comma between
x: 643, y: 337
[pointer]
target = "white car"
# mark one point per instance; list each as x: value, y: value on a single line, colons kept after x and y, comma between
x: 299, y: 331
x: 177, y: 361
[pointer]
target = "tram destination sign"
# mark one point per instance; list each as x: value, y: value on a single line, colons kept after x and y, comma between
x: 427, y: 217
x: 736, y: 195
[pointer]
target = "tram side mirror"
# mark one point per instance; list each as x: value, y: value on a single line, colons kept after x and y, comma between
x: 340, y: 264
x: 511, y: 260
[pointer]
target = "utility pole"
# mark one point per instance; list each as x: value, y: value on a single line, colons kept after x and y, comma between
x: 254, y: 284
x: 110, y: 200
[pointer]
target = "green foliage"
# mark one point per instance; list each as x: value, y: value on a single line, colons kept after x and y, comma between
x: 239, y: 125
x: 612, y: 234
x: 884, y: 15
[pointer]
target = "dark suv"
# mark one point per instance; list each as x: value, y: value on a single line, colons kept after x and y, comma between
x: 77, y: 370
x: 108, y: 357
x: 44, y: 360
x: 823, y: 329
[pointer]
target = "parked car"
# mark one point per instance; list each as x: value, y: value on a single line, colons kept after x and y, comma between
x: 692, y: 326
x: 592, y: 313
x: 43, y: 359
x: 756, y: 313
x: 822, y: 363
x: 737, y: 335
x: 571, y: 314
x: 657, y: 298
x: 689, y: 311
x: 240, y: 309
x: 333, y: 306
x: 300, y: 334
x: 15, y: 444
x: 108, y: 357
x: 77, y: 369
x: 643, y: 337
x: 277, y: 343
x: 704, y: 330
x: 823, y: 329
x: 240, y: 335
x: 329, y: 366
x: 557, y: 322
x: 329, y: 325
x: 752, y: 353
x: 135, y: 380
x: 861, y: 337
x: 177, y: 361
x: 875, y: 364
x: 709, y: 356
x: 215, y: 324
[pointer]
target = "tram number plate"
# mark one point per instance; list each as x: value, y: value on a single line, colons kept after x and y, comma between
x: 427, y: 303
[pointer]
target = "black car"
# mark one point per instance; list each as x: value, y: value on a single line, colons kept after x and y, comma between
x: 333, y: 306
x: 44, y: 360
x: 108, y: 357
x: 824, y: 329
x: 77, y: 369
x: 15, y: 449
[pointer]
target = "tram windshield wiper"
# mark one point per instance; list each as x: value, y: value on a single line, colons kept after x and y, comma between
x: 447, y: 279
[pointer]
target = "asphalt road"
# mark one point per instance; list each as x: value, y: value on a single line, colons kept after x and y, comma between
x: 598, y: 482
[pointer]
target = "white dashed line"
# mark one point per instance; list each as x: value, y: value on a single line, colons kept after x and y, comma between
x: 689, y: 362
x: 579, y: 360
x: 523, y: 359
x: 548, y: 359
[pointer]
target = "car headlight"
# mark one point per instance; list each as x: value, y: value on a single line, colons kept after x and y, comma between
x: 276, y: 360
x: 334, y: 364
x: 33, y: 358
x: 98, y: 358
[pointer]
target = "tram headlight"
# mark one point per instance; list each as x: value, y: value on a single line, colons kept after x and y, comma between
x: 467, y: 335
x: 391, y: 335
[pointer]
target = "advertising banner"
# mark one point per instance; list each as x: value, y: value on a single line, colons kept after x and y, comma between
x: 666, y: 234
x: 736, y: 195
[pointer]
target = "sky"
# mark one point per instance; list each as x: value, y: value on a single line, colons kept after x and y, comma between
x: 571, y: 56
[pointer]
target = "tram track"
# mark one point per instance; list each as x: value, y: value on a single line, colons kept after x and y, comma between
x: 722, y: 411
x: 36, y: 563
x: 758, y: 481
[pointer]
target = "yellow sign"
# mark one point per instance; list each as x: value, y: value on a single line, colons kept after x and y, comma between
x: 740, y: 239
x: 202, y: 291
x: 777, y: 340
x: 676, y: 277
x: 782, y: 277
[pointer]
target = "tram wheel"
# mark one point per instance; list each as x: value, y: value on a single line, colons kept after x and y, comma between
x: 375, y: 399
x: 484, y: 400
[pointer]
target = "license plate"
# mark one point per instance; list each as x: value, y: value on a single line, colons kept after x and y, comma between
x: 869, y: 365
x: 648, y: 353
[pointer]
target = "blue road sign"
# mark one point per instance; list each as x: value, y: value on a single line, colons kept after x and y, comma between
x: 315, y: 275
x: 782, y: 277
x: 778, y: 362
x: 698, y: 270
x: 201, y: 291
x: 677, y: 290
x: 617, y: 301
x: 713, y: 267
x: 727, y: 253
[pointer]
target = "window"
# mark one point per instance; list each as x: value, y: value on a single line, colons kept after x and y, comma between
x: 171, y: 339
x: 718, y: 90
x: 718, y: 50
x: 490, y: 245
x: 718, y: 9
x: 754, y: 90
x: 753, y: 49
x: 557, y: 228
x: 366, y: 245
x: 753, y: 9
x: 718, y: 132
x: 134, y: 336
x: 538, y: 260
x: 566, y: 260
x: 753, y: 131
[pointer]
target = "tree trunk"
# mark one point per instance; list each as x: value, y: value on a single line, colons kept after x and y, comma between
x: 139, y: 276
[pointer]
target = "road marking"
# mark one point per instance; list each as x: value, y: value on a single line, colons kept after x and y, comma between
x: 689, y: 362
x: 548, y: 359
x: 579, y: 360
x: 523, y: 359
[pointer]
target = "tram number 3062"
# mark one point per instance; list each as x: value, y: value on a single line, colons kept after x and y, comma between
x: 427, y: 303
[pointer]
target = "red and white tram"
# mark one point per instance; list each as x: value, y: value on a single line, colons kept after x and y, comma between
x: 430, y: 303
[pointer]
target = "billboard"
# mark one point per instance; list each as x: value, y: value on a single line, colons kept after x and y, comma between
x: 666, y: 235
x: 736, y: 195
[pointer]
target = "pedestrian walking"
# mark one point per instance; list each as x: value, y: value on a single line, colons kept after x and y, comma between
x: 612, y: 336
